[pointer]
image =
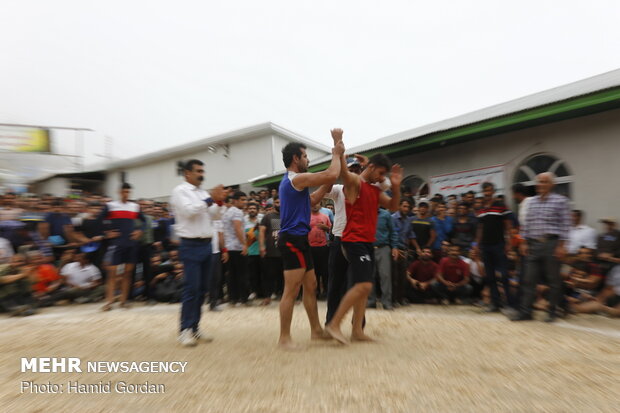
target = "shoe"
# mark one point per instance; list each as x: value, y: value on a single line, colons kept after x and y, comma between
x: 510, y: 312
x: 215, y: 308
x: 18, y: 310
x: 491, y: 309
x: 187, y: 338
x: 388, y: 308
x: 521, y: 317
x: 252, y: 296
x: 550, y: 318
x: 371, y: 305
x: 199, y: 335
x: 29, y: 311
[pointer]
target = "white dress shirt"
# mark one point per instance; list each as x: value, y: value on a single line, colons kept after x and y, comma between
x: 193, y: 218
x: 581, y: 236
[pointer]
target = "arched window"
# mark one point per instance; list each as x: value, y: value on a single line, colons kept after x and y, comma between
x: 534, y: 165
x: 416, y: 185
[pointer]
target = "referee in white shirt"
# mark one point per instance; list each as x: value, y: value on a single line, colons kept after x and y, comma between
x: 194, y: 208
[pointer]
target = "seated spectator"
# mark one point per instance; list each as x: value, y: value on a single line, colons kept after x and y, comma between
x: 15, y: 292
x: 46, y: 282
x: 82, y: 280
x: 608, y: 245
x: 453, y: 277
x: 167, y: 282
x: 6, y: 251
x: 608, y: 300
x: 420, y: 277
x: 584, y: 279
x: 476, y: 274
x: 580, y: 234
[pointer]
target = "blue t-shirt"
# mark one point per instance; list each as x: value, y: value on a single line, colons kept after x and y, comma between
x: 57, y: 222
x: 294, y: 207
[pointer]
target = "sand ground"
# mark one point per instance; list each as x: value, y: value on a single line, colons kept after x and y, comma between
x: 427, y: 359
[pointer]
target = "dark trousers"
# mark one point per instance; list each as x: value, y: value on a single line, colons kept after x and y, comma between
x: 494, y: 258
x: 196, y: 257
x: 416, y: 295
x: 237, y: 277
x: 337, y: 280
x: 215, y: 281
x: 399, y: 278
x: 463, y: 291
x: 254, y: 274
x: 272, y: 272
x: 541, y: 262
x: 144, y: 258
x: 320, y: 258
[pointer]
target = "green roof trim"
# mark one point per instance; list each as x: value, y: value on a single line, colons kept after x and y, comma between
x: 566, y: 109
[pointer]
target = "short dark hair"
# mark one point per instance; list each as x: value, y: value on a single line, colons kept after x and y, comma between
x: 189, y: 165
x: 125, y: 185
x: 290, y: 150
x: 463, y: 204
x: 238, y: 195
x: 520, y: 189
x: 253, y: 204
x: 403, y: 200
x: 380, y: 160
x: 578, y: 212
x: 486, y: 185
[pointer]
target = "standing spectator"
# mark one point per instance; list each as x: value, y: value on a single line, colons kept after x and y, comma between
x: 424, y: 227
x: 194, y: 208
x: 546, y: 231
x: 251, y: 222
x: 235, y: 242
x: 443, y: 225
x: 493, y: 240
x: 580, y: 234
x: 58, y: 228
x: 453, y: 277
x: 464, y: 228
x: 272, y: 280
x: 218, y: 259
x: 145, y: 247
x: 608, y: 245
x: 320, y: 225
x: 421, y: 275
x: 385, y: 245
x: 406, y: 239
x: 521, y: 196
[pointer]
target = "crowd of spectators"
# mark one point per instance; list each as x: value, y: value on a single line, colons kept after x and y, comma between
x: 54, y: 251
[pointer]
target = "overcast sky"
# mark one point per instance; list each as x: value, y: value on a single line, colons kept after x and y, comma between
x: 153, y: 74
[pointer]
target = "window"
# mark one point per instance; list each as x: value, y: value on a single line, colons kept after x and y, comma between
x: 526, y: 173
x: 416, y: 185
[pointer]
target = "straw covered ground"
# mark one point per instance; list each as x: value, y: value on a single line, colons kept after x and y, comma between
x: 427, y: 359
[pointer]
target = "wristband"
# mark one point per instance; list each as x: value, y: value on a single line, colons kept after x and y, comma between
x: 224, y: 250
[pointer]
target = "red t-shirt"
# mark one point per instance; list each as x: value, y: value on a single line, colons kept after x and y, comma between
x: 453, y: 270
x: 362, y: 215
x: 46, y: 274
x: 317, y: 236
x: 423, y: 271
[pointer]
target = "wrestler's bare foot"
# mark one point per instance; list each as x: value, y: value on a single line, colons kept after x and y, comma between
x: 361, y: 337
x: 336, y: 334
x: 287, y: 344
x: 320, y: 335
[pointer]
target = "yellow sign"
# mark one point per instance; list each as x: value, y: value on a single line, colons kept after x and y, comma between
x: 22, y: 139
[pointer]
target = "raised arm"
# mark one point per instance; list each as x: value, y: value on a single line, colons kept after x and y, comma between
x: 328, y: 176
x: 396, y: 177
x: 319, y: 194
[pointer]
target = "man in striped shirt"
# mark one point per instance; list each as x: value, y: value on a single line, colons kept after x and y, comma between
x: 546, y: 230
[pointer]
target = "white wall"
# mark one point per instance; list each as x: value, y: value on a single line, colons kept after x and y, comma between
x: 589, y: 145
x: 56, y: 186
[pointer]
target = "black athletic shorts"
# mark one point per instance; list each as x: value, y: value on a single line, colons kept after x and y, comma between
x: 126, y: 254
x: 295, y: 250
x: 361, y: 258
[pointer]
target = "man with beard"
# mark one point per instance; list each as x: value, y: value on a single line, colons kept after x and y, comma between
x: 420, y: 276
x: 362, y: 200
x: 251, y: 223
x: 293, y: 237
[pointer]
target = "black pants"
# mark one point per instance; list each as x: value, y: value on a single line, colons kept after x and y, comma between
x: 237, y: 277
x: 541, y: 262
x: 254, y: 270
x: 215, y: 281
x: 272, y: 272
x: 320, y: 256
x: 399, y: 278
x: 144, y: 258
x: 337, y: 284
